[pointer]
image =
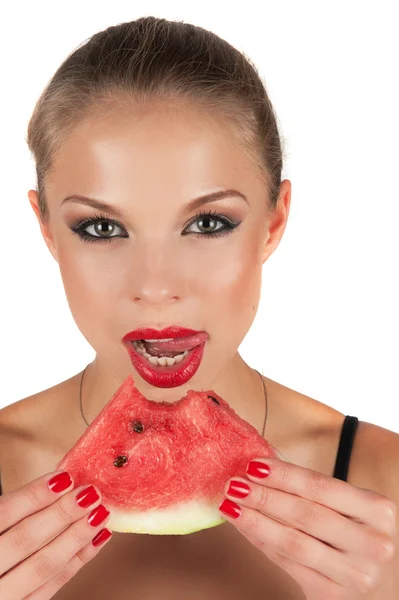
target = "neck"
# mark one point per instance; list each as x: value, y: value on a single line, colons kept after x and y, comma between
x: 237, y: 383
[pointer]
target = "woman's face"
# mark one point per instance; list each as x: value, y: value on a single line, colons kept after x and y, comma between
x: 156, y: 267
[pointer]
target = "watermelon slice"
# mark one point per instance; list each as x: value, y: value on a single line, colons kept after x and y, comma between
x: 162, y: 467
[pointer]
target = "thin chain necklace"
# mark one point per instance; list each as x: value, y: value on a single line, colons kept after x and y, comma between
x: 264, y: 390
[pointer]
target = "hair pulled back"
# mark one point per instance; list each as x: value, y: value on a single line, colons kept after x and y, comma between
x: 136, y: 64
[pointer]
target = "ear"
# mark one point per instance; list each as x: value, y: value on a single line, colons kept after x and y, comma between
x: 278, y: 220
x: 44, y: 227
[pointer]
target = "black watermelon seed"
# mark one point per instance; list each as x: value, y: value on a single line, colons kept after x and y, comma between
x: 214, y: 399
x: 137, y: 426
x: 120, y: 461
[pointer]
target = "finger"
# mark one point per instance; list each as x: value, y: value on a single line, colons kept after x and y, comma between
x: 361, y: 505
x: 38, y: 529
x: 28, y: 499
x: 316, y: 520
x: 49, y: 561
x: 294, y: 544
x: 49, y: 589
x: 307, y: 578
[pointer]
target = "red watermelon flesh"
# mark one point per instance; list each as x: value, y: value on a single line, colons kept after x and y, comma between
x: 162, y: 467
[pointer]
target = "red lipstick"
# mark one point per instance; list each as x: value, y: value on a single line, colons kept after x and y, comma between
x: 190, y: 341
x: 147, y: 333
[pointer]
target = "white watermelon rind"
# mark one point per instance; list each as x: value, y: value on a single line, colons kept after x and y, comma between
x: 179, y: 519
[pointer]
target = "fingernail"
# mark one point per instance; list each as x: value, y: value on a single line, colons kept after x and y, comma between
x: 238, y: 489
x: 230, y: 508
x: 101, y: 537
x: 98, y: 515
x: 87, y: 497
x: 258, y: 469
x: 60, y: 482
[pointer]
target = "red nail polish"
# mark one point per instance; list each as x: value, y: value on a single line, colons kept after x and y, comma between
x: 230, y: 508
x: 258, y: 469
x: 238, y: 489
x: 87, y: 497
x: 98, y: 515
x: 60, y: 482
x: 101, y: 537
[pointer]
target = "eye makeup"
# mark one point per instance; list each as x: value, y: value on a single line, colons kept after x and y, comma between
x: 80, y: 227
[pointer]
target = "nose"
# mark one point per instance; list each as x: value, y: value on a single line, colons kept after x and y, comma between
x: 154, y: 296
x: 159, y: 276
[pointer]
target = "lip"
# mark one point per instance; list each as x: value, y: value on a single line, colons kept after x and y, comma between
x: 178, y: 334
x: 167, y: 377
x: 148, y: 333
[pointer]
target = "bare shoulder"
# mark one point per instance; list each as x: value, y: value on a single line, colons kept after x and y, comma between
x: 36, y: 414
x: 24, y: 418
x: 31, y: 432
x: 316, y: 428
x: 376, y: 459
x: 17, y: 439
x: 17, y: 429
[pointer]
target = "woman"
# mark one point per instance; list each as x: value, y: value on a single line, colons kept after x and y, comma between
x: 159, y: 194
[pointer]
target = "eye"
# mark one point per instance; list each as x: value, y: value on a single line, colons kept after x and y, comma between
x: 100, y: 224
x: 103, y: 227
x: 208, y: 221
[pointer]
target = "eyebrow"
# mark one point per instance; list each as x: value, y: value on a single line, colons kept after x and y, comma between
x: 191, y: 205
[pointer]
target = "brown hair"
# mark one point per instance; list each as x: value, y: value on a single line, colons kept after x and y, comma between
x: 147, y: 60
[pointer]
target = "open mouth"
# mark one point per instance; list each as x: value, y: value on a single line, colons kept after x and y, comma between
x: 168, y: 361
x: 165, y: 371
x: 164, y: 358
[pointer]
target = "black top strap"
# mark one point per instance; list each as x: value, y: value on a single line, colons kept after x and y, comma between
x: 348, y: 433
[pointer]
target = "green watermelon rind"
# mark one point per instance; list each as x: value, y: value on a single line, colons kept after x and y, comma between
x: 180, y: 519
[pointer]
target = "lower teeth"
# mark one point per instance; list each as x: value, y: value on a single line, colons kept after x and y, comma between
x: 164, y: 361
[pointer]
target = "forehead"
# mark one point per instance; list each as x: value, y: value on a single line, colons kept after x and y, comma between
x: 150, y: 152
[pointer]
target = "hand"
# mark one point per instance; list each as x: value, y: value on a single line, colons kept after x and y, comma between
x: 45, y: 539
x: 331, y: 537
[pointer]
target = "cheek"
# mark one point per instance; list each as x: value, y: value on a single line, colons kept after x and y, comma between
x: 231, y: 288
x: 91, y: 279
x: 236, y: 278
x: 220, y: 282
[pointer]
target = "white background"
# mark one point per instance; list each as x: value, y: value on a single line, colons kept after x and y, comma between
x: 327, y: 323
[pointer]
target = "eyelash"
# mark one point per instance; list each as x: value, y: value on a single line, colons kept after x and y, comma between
x: 87, y: 237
